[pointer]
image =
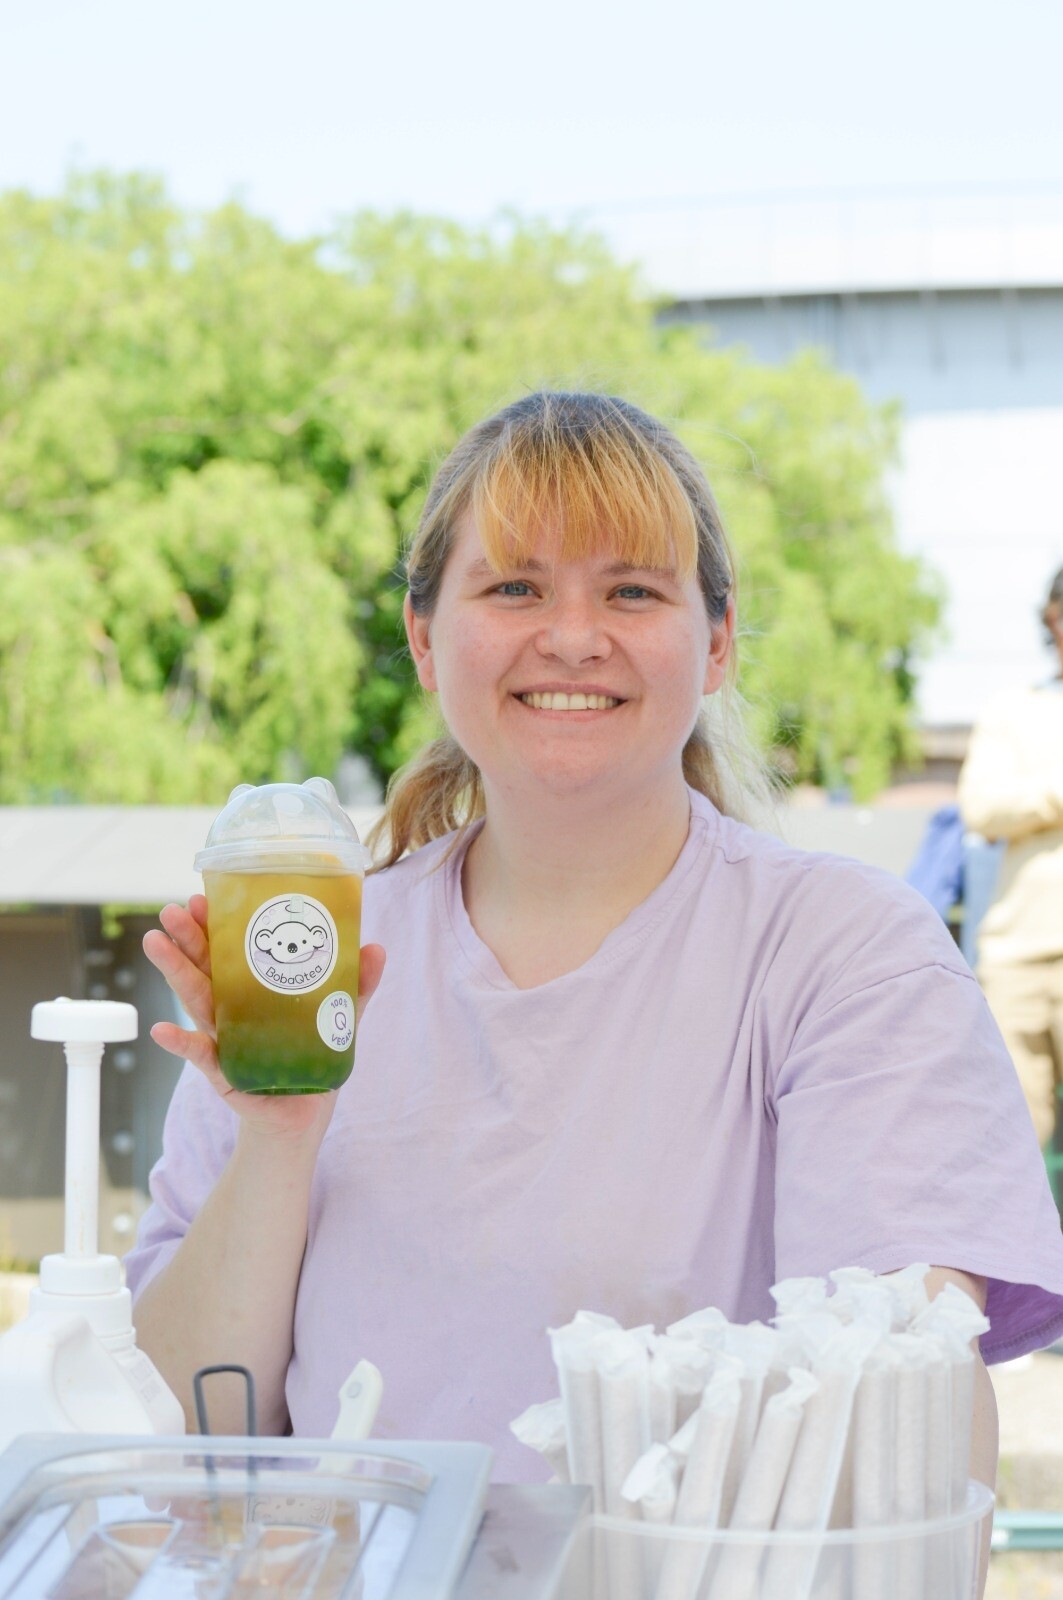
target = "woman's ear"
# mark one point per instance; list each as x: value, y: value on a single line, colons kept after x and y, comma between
x: 723, y: 636
x: 417, y: 637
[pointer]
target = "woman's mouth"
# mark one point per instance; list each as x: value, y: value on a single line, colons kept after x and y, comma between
x: 558, y: 701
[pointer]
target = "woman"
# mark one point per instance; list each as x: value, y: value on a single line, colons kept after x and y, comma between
x: 627, y: 1053
x: 1011, y: 788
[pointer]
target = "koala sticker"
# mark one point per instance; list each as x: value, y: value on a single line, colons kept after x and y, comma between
x: 291, y: 944
x: 291, y: 941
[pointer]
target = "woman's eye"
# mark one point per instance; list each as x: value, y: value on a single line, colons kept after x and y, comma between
x: 633, y: 591
x: 514, y: 586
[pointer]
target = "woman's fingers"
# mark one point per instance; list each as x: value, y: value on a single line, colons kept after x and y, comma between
x: 188, y: 982
x: 197, y: 905
x: 182, y: 955
x: 195, y: 1047
x: 188, y: 930
x: 370, y: 972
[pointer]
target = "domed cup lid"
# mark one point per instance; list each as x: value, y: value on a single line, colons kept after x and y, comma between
x: 283, y: 825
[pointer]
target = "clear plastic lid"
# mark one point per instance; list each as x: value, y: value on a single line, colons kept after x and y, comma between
x: 283, y: 825
x: 97, y: 1518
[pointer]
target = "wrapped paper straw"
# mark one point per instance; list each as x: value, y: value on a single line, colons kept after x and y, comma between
x: 652, y: 1486
x: 761, y: 1487
x: 705, y: 1442
x: 578, y: 1351
x: 813, y: 1477
x: 689, y: 1364
x: 754, y: 1347
x: 574, y: 1356
x: 708, y: 1327
x: 623, y: 1387
x: 542, y: 1428
x: 908, y: 1288
x: 841, y: 1511
x: 766, y: 1472
x: 860, y: 1295
x: 939, y: 1466
x: 872, y: 1435
x: 797, y: 1296
x: 809, y: 1491
x: 598, y: 1320
x: 662, y: 1402
x: 850, y: 1277
x: 806, y: 1334
x: 938, y: 1432
x: 624, y: 1391
x: 914, y: 1358
x: 954, y: 1320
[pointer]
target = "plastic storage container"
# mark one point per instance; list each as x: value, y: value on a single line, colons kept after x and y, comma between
x: 613, y: 1559
x: 283, y: 869
x: 228, y: 1519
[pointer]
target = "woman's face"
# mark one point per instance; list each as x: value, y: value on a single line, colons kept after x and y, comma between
x: 567, y: 674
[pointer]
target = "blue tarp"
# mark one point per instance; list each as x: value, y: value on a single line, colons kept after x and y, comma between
x: 953, y: 868
x: 937, y: 871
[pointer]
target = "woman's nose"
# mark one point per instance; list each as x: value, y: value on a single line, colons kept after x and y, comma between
x: 574, y: 631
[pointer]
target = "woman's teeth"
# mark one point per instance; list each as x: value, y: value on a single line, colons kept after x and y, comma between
x: 570, y: 702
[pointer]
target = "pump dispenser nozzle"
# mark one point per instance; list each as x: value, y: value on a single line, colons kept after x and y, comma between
x: 73, y: 1364
x: 83, y: 1027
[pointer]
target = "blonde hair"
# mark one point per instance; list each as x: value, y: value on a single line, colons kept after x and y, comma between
x: 581, y: 463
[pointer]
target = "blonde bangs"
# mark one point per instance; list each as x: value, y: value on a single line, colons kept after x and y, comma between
x: 603, y: 493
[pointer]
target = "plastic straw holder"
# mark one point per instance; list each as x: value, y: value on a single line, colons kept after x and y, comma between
x: 783, y: 1566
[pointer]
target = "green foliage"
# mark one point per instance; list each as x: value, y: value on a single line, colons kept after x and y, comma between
x: 214, y: 442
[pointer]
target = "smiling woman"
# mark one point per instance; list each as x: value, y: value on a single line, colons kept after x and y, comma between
x: 589, y: 487
x: 567, y: 681
x: 628, y: 1052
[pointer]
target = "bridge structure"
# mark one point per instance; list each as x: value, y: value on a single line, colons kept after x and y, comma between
x: 947, y: 301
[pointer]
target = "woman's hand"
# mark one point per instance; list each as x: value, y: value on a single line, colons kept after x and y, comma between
x: 182, y: 955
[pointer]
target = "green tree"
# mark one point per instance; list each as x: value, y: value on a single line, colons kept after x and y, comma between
x: 214, y: 442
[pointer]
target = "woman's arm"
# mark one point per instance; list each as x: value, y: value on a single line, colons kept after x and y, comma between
x: 228, y: 1294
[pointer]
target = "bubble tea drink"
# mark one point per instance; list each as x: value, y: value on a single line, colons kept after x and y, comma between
x: 283, y: 868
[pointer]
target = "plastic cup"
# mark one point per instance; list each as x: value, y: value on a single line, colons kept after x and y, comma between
x: 283, y: 869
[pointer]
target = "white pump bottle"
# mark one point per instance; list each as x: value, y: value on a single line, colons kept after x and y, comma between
x: 72, y: 1366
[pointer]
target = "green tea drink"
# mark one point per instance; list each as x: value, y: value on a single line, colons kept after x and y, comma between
x: 284, y: 963
x: 282, y: 868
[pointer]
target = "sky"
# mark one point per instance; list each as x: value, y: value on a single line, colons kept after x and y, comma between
x: 694, y: 134
x: 312, y: 110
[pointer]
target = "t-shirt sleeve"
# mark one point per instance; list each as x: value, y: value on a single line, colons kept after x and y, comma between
x: 903, y: 1136
x: 197, y: 1141
x: 1011, y: 783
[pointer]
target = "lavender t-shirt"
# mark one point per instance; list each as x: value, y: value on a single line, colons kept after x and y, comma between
x: 778, y: 1064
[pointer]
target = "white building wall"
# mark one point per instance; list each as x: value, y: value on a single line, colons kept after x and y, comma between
x: 978, y: 375
x: 979, y: 496
x: 948, y: 300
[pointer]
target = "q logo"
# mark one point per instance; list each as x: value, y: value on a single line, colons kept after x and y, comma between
x: 335, y: 1020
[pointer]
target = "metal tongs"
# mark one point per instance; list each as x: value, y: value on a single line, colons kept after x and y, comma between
x: 202, y: 1420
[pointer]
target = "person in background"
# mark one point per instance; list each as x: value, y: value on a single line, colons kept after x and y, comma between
x: 1011, y: 789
